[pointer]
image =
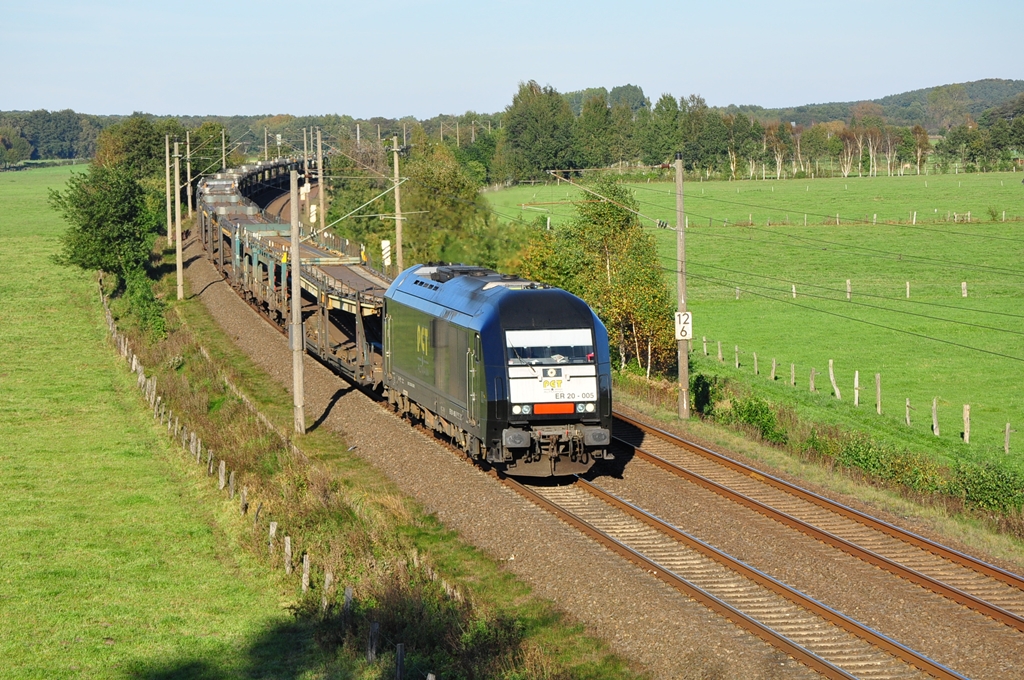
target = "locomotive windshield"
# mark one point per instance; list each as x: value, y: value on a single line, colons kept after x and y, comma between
x: 553, y: 346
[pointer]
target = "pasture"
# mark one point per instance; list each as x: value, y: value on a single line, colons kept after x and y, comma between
x: 934, y: 344
x: 113, y: 563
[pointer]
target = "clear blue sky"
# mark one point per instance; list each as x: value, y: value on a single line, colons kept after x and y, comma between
x: 401, y: 58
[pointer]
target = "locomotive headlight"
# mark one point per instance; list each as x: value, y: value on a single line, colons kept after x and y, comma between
x: 517, y: 409
x: 526, y: 409
x: 580, y: 407
x: 590, y: 407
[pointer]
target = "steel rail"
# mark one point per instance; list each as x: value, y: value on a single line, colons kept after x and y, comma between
x: 748, y: 623
x: 966, y: 599
x: 850, y: 513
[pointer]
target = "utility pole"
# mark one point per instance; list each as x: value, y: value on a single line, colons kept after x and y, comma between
x: 378, y: 134
x: 398, y: 210
x: 358, y: 140
x: 297, y: 334
x: 683, y: 345
x: 265, y: 156
x: 177, y: 224
x: 223, y: 150
x: 403, y: 135
x: 320, y: 177
x: 457, y: 145
x: 305, y: 154
x: 188, y: 169
x: 167, y: 173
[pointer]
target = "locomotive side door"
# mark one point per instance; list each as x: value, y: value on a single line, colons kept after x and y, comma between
x: 472, y: 371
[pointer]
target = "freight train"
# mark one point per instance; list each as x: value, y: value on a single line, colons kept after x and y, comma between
x: 516, y: 373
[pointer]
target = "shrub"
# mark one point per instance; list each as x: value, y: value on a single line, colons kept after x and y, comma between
x: 758, y: 413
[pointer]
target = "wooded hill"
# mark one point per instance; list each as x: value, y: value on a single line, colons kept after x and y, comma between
x: 34, y: 135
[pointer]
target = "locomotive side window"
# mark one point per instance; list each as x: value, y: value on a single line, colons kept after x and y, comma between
x: 551, y: 346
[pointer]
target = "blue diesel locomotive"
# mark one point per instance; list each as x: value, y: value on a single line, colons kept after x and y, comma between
x: 515, y: 372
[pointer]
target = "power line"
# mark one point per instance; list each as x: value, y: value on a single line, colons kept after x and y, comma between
x: 872, y: 323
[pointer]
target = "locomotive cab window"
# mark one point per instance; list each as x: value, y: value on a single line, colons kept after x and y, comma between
x: 551, y: 346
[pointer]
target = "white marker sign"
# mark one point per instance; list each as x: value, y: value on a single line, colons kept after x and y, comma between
x: 684, y: 325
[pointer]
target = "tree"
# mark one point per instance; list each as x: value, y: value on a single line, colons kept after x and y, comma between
x: 539, y: 125
x: 629, y: 95
x: 604, y: 256
x: 947, y: 105
x: 591, y: 133
x: 13, y: 147
x: 110, y: 228
x: 922, y: 146
x: 622, y: 144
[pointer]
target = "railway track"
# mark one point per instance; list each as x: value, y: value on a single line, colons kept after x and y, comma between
x: 966, y: 580
x: 820, y: 638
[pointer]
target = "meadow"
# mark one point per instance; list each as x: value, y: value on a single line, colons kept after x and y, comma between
x: 113, y: 563
x: 750, y: 236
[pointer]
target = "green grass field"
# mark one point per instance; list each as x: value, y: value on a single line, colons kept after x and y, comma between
x: 113, y: 564
x: 935, y: 344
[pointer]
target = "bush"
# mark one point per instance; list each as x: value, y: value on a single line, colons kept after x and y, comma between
x: 143, y: 305
x: 758, y: 413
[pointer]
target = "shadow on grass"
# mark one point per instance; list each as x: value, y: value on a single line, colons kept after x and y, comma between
x: 285, y: 650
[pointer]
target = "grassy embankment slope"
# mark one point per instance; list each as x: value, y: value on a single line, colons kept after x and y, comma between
x: 112, y: 562
x: 880, y: 330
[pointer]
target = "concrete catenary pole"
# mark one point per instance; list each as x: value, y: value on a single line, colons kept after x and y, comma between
x: 223, y: 150
x: 320, y: 178
x: 179, y: 261
x: 398, y: 209
x: 188, y: 169
x: 167, y: 174
x: 297, y: 336
x: 265, y: 156
x: 683, y: 345
x: 305, y: 153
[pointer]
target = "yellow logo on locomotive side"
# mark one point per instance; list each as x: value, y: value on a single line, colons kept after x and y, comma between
x: 422, y: 339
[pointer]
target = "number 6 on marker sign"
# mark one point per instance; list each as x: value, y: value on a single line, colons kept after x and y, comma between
x: 684, y: 325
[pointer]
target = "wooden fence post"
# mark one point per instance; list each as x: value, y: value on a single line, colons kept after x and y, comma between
x: 812, y: 380
x: 792, y: 375
x: 967, y: 423
x: 231, y: 485
x: 963, y: 289
x: 856, y: 388
x: 347, y: 607
x: 908, y: 290
x: 371, y: 642
x: 305, y: 572
x: 794, y: 291
x: 736, y: 348
x: 273, y: 533
x: 720, y: 351
x: 908, y: 412
x: 288, y: 554
x: 243, y: 505
x: 773, y: 369
x: 221, y: 471
x: 878, y: 393
x: 756, y: 372
x: 328, y: 582
x: 209, y: 462
x: 849, y: 290
x: 832, y: 379
x: 1006, y: 440
x: 705, y: 338
x: 935, y: 416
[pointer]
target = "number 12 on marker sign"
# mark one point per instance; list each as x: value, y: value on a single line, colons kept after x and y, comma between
x: 684, y: 325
